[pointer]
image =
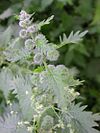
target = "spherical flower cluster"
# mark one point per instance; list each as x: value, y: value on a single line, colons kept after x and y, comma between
x: 51, y: 67
x: 41, y: 40
x: 52, y: 55
x: 62, y: 70
x: 23, y: 33
x: 32, y: 29
x: 38, y: 58
x: 25, y: 24
x: 24, y: 16
x: 29, y: 44
x: 24, y: 19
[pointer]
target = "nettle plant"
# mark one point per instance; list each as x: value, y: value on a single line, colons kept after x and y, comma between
x: 40, y: 97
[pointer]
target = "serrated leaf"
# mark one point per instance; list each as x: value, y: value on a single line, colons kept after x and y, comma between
x: 45, y: 22
x: 84, y: 121
x: 72, y: 38
x: 23, y: 87
x: 8, y: 124
x: 5, y: 81
x: 56, y: 80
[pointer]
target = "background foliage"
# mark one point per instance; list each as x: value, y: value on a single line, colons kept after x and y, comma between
x: 69, y: 15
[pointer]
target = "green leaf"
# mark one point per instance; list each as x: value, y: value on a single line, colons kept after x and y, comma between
x: 6, y: 36
x: 45, y: 3
x: 94, y: 64
x: 66, y: 1
x: 82, y: 49
x: 16, y: 51
x: 85, y: 9
x: 9, y: 123
x: 59, y: 80
x: 68, y: 57
x: 5, y: 81
x: 97, y: 50
x: 72, y: 38
x: 23, y: 87
x: 83, y: 121
x: 96, y: 19
x: 45, y: 22
x: 7, y: 13
x: 22, y: 129
x: 39, y: 69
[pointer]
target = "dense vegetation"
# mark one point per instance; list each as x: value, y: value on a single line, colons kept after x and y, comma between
x: 69, y: 15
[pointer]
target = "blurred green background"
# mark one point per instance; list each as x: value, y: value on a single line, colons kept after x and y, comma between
x: 69, y: 15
